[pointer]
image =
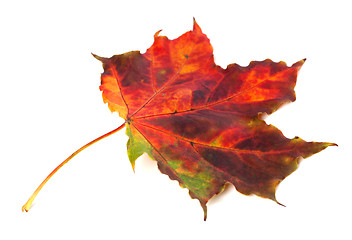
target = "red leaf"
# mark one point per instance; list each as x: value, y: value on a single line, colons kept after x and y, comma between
x: 199, y: 121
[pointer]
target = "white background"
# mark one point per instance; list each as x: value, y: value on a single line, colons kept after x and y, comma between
x: 51, y: 105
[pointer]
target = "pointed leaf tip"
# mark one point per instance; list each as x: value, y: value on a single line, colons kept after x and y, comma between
x: 303, y: 60
x: 157, y: 33
x: 98, y: 57
x: 280, y: 203
x: 196, y: 27
x: 205, y: 210
x: 133, y: 164
x: 299, y: 63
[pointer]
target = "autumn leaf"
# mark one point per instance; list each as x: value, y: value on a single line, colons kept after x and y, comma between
x: 201, y: 122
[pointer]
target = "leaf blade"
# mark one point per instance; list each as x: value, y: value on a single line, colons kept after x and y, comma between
x: 200, y: 122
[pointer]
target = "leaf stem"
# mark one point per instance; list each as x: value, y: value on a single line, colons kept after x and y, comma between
x: 28, y: 204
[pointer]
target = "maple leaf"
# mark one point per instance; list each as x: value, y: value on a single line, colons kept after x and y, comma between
x: 201, y: 122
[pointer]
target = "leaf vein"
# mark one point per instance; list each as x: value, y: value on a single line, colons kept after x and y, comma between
x: 172, y: 79
x: 209, y: 145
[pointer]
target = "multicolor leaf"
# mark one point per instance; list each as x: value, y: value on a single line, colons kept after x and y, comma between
x: 199, y: 121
